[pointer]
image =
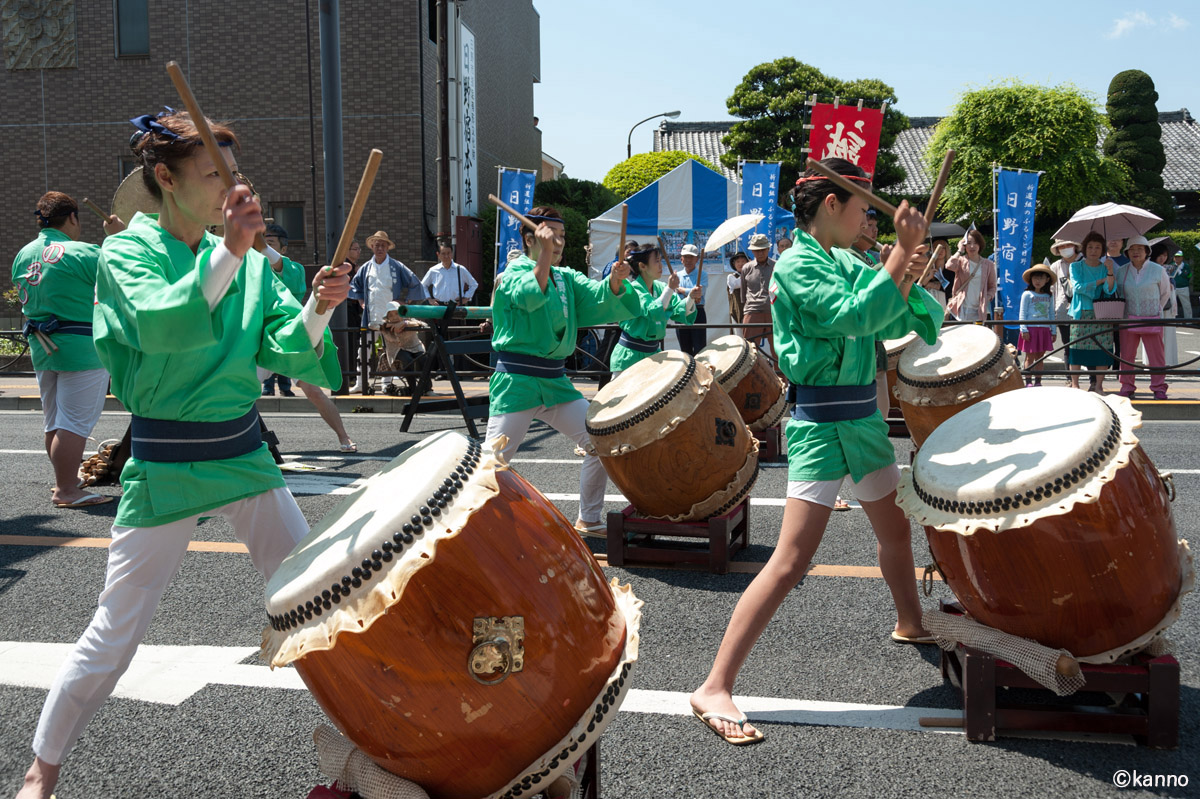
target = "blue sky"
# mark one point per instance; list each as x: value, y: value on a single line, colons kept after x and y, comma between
x: 608, y: 63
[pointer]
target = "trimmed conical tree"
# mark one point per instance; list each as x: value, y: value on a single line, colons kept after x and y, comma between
x: 1136, y: 140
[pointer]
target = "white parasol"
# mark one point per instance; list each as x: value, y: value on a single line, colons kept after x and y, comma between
x: 1110, y: 220
x: 730, y: 229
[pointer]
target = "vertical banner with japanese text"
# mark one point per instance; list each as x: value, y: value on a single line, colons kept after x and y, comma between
x: 846, y: 131
x: 516, y: 189
x: 1016, y: 200
x: 760, y: 195
x: 468, y: 165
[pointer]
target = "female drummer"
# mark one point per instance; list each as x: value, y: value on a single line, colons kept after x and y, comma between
x: 643, y: 335
x: 537, y: 310
x: 828, y: 309
x: 181, y: 320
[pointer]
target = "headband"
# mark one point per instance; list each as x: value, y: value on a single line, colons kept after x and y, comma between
x: 148, y: 123
x: 822, y: 177
x: 46, y: 220
x: 544, y: 218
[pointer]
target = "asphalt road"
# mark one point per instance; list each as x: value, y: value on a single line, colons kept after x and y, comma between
x: 828, y: 644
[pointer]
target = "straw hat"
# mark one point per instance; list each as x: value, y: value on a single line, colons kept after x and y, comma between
x: 1036, y: 269
x: 1060, y: 243
x: 759, y: 241
x: 379, y: 235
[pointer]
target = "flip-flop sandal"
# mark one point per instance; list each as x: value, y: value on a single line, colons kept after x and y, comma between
x: 841, y: 505
x: 86, y: 501
x: 597, y: 530
x: 351, y: 447
x: 741, y: 740
x: 912, y: 639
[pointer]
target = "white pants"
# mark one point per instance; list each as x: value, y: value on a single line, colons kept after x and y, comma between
x: 873, y: 487
x: 72, y: 401
x: 141, y: 562
x: 1184, y: 296
x: 569, y: 419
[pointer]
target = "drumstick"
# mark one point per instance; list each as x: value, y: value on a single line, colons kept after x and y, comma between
x: 95, y: 209
x: 624, y: 220
x: 356, y: 209
x: 663, y: 248
x: 512, y: 211
x: 206, y: 135
x: 939, y: 186
x: 47, y: 344
x: 933, y: 258
x: 848, y: 185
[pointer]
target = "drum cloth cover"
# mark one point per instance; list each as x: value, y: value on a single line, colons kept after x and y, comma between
x: 732, y: 358
x: 370, y: 515
x: 638, y: 403
x: 938, y: 373
x: 976, y: 469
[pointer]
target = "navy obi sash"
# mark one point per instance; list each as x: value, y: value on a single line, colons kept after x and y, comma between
x: 169, y: 441
x: 55, y: 325
x: 517, y: 363
x: 639, y: 344
x: 832, y: 403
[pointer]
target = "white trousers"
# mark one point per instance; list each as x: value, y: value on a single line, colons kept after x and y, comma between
x: 141, y: 562
x: 72, y: 401
x: 569, y: 419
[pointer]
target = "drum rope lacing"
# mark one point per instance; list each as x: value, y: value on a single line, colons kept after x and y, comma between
x: 647, y: 412
x: 953, y: 379
x: 422, y: 520
x: 727, y: 376
x: 991, y: 507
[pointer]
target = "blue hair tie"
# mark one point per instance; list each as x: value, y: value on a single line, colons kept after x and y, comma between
x: 148, y: 123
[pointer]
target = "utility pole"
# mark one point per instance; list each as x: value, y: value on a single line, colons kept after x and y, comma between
x: 331, y: 137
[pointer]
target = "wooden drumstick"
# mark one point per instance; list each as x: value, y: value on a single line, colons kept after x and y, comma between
x: 355, y: 213
x: 95, y: 209
x: 939, y: 186
x: 663, y: 248
x: 848, y: 185
x: 932, y: 260
x: 47, y: 344
x: 524, y: 220
x: 624, y: 221
x: 206, y: 135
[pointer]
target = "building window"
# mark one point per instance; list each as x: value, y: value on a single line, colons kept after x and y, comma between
x: 432, y: 5
x: 127, y: 164
x: 290, y: 216
x: 132, y: 27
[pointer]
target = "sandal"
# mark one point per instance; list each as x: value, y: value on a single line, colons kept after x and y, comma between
x: 351, y: 447
x: 594, y: 529
x: 739, y: 740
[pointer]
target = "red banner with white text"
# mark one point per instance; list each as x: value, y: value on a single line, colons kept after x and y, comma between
x: 846, y: 131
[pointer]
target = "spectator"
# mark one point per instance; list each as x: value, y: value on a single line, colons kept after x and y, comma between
x: 781, y: 245
x: 1037, y: 305
x: 944, y: 276
x: 692, y: 339
x: 1092, y: 278
x: 630, y: 246
x: 447, y: 281
x: 1158, y: 254
x: 55, y: 276
x: 1115, y: 253
x: 974, y: 279
x: 755, y: 293
x: 1067, y: 252
x: 1180, y: 272
x: 381, y: 280
x: 1148, y: 293
x: 354, y: 311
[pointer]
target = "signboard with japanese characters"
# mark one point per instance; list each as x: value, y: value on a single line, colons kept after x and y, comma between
x: 1016, y: 196
x: 760, y: 195
x: 846, y: 131
x: 516, y: 189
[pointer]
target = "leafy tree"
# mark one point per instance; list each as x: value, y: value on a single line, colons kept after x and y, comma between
x: 770, y: 101
x: 586, y: 196
x: 1136, y: 140
x: 1014, y: 124
x: 634, y: 174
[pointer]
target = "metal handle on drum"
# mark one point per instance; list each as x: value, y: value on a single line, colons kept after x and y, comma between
x: 927, y: 579
x: 1168, y: 481
x: 499, y: 647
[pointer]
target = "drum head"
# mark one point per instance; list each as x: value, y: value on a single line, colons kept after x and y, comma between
x: 132, y: 197
x: 728, y: 357
x: 639, y: 387
x: 897, y: 345
x: 1019, y: 453
x: 957, y: 350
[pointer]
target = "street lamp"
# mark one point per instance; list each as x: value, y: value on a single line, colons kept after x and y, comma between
x: 629, y: 141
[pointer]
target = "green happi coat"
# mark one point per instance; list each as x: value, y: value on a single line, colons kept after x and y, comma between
x: 292, y: 277
x: 651, y: 323
x: 545, y: 324
x: 828, y: 310
x: 56, y: 276
x: 172, y: 358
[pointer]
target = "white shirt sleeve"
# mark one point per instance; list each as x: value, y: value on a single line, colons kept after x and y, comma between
x: 316, y: 323
x: 222, y: 267
x: 469, y: 282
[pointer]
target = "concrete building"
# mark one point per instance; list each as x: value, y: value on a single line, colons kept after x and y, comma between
x: 75, y: 72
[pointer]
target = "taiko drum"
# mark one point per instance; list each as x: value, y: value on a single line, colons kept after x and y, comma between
x: 747, y: 376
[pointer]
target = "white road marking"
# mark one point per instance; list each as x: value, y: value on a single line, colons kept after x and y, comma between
x: 332, y: 484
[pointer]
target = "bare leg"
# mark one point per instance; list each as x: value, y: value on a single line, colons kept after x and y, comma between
x: 894, y: 546
x: 327, y: 409
x: 1075, y: 377
x: 803, y: 526
x: 39, y: 780
x: 1099, y: 380
x: 66, y: 452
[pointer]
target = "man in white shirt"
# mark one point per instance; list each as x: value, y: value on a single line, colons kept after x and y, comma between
x: 447, y: 281
x: 382, y: 280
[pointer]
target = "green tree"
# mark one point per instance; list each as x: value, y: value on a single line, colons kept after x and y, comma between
x: 586, y: 196
x: 1136, y: 140
x: 634, y: 174
x: 1055, y: 129
x: 770, y: 101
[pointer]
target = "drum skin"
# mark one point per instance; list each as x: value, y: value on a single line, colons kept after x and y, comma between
x: 1089, y: 581
x: 402, y: 691
x: 922, y: 420
x: 687, y: 466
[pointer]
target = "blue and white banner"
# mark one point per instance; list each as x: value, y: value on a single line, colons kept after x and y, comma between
x: 516, y: 189
x: 1016, y: 199
x: 760, y: 195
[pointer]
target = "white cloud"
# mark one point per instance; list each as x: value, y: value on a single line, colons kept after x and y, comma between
x: 1140, y: 19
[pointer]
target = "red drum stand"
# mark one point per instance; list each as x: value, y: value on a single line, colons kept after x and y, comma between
x: 636, y: 540
x: 770, y: 444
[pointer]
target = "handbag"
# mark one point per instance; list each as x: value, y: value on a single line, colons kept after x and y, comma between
x: 1108, y: 306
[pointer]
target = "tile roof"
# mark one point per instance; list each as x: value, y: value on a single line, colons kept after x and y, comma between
x: 1180, y: 138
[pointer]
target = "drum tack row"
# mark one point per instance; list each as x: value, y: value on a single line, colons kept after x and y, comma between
x: 1042, y: 512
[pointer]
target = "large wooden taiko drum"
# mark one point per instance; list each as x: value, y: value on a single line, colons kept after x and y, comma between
x: 966, y: 364
x: 895, y: 348
x: 749, y: 380
x: 453, y: 625
x: 1048, y: 521
x: 672, y: 440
